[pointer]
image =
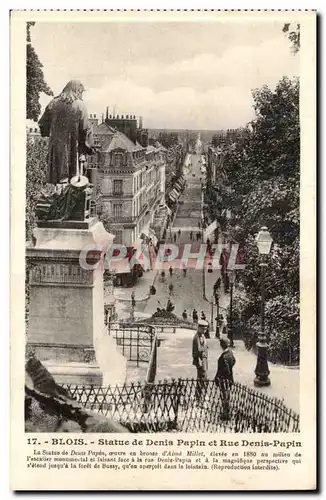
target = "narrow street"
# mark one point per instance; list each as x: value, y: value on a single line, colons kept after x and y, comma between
x: 175, y: 352
x: 188, y: 291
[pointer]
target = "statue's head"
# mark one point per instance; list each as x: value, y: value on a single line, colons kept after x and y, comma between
x: 72, y: 91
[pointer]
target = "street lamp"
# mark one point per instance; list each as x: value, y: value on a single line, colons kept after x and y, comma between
x: 133, y: 304
x: 110, y: 298
x: 217, y: 294
x: 264, y: 242
x: 231, y: 274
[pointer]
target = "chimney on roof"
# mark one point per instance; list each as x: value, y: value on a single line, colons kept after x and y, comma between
x: 122, y: 117
x: 90, y: 115
x: 107, y: 113
x: 94, y: 116
x: 127, y: 116
x: 102, y: 117
x: 140, y: 122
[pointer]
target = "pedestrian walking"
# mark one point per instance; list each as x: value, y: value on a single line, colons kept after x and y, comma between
x: 175, y: 237
x: 171, y: 288
x: 190, y: 234
x: 219, y: 322
x: 169, y: 306
x: 184, y: 269
x: 195, y: 316
x: 170, y: 270
x: 179, y: 233
x: 200, y: 360
x: 184, y: 315
x: 203, y: 316
x: 224, y: 376
x: 163, y: 275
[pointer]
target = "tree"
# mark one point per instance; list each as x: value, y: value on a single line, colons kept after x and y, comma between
x: 268, y: 153
x: 36, y: 165
x: 293, y: 35
x: 36, y: 151
x: 35, y: 83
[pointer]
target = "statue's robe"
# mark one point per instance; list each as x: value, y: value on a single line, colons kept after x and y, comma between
x: 68, y: 205
x: 66, y: 124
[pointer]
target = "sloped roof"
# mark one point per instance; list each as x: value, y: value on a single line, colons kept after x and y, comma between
x: 158, y: 145
x: 119, y: 141
x: 103, y: 128
x: 138, y: 147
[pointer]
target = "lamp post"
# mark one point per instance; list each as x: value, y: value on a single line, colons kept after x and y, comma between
x: 110, y: 299
x: 217, y: 301
x: 230, y: 326
x: 264, y: 242
x: 216, y: 296
x: 133, y: 304
x: 212, y: 314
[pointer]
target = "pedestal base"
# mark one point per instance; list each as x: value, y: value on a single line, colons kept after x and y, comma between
x: 66, y: 308
x: 262, y: 382
x: 75, y: 373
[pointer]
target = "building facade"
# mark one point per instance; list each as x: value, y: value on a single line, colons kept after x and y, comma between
x: 130, y: 177
x: 32, y: 130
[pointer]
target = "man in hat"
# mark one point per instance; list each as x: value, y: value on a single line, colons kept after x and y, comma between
x: 200, y: 357
x: 224, y: 376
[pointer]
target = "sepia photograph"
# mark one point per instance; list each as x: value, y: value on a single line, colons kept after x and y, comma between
x: 162, y: 225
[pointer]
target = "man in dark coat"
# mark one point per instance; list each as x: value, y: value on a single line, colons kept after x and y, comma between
x: 225, y: 362
x: 200, y: 357
x: 224, y: 376
x: 65, y: 122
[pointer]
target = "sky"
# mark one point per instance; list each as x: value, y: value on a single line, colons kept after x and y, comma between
x: 175, y: 75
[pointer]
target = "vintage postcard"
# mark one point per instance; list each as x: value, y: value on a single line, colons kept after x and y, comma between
x: 163, y: 172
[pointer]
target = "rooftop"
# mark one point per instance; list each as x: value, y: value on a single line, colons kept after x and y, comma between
x: 120, y: 141
x: 103, y: 128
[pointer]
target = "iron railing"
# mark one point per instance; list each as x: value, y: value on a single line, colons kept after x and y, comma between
x: 185, y: 406
x: 136, y: 341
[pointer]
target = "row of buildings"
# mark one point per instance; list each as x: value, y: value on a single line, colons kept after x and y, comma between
x: 129, y: 178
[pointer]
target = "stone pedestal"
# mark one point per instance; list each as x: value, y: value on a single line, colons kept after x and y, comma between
x: 66, y: 309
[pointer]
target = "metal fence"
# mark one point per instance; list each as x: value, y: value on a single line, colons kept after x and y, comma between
x: 185, y: 406
x: 136, y: 341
